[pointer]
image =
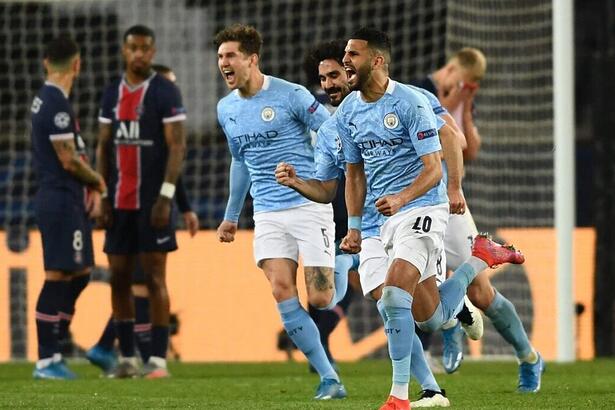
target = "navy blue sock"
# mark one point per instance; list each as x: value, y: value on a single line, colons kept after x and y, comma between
x: 67, y: 307
x: 125, y: 330
x: 424, y: 337
x: 160, y: 341
x: 107, y: 339
x: 143, y: 328
x: 47, y: 317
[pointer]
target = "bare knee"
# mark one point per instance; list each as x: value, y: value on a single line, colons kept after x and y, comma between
x: 282, y: 289
x: 320, y: 286
x: 320, y: 299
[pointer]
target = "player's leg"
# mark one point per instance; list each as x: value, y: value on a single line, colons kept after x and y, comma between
x: 47, y: 307
x: 154, y: 265
x: 326, y: 274
x: 372, y: 273
x: 460, y: 232
x: 276, y: 252
x: 76, y: 285
x: 121, y: 247
x: 327, y: 320
x: 154, y: 245
x: 121, y: 267
x: 67, y: 250
x: 431, y: 393
x: 143, y: 324
x: 414, y: 254
x: 102, y: 354
x: 505, y: 319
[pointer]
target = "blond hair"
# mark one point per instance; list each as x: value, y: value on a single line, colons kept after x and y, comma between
x: 472, y: 60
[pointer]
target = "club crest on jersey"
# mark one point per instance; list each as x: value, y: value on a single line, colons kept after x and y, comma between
x: 61, y: 120
x: 391, y: 121
x: 267, y: 114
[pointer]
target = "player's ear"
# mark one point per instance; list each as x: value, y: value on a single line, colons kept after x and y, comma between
x: 254, y: 59
x: 46, y: 65
x: 379, y: 60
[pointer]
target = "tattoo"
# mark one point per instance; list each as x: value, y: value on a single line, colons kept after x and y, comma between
x: 319, y: 277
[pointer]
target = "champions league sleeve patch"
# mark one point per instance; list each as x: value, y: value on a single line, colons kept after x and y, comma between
x: 61, y: 120
x: 312, y: 108
x: 421, y: 135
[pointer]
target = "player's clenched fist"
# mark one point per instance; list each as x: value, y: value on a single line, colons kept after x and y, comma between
x: 351, y: 242
x: 226, y: 231
x: 285, y: 174
x: 389, y: 204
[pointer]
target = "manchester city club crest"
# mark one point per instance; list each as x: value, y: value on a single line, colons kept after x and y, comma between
x: 391, y: 121
x: 267, y: 114
x: 61, y: 120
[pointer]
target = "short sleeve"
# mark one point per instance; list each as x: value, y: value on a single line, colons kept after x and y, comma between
x: 423, y: 130
x: 325, y: 158
x: 59, y: 119
x: 352, y: 153
x: 105, y: 115
x: 307, y: 109
x: 172, y: 106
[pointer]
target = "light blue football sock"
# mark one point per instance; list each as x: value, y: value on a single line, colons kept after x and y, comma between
x: 303, y: 332
x: 507, y: 322
x: 420, y: 368
x: 343, y: 264
x: 451, y: 292
x: 399, y: 328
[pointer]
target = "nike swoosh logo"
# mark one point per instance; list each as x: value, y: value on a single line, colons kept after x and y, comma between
x: 160, y: 241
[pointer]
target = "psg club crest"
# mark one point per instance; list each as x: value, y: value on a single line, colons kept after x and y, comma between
x: 61, y: 120
x: 267, y: 114
x: 391, y: 121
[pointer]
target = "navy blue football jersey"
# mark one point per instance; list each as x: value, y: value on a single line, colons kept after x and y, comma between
x: 53, y: 119
x: 138, y: 156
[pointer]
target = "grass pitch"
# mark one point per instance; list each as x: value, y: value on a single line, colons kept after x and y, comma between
x: 477, y: 385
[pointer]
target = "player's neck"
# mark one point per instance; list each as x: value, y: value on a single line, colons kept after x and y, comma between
x: 63, y: 81
x: 253, y: 85
x: 375, y: 88
x: 135, y: 79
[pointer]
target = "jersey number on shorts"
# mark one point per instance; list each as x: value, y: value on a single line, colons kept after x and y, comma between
x: 77, y: 240
x: 325, y: 237
x: 425, y: 226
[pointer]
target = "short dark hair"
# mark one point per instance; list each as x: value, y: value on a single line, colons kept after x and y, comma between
x: 328, y: 50
x: 162, y: 69
x: 140, y: 30
x: 376, y: 39
x: 61, y: 49
x: 249, y: 38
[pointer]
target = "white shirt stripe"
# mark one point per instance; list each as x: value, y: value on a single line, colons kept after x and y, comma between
x: 60, y: 137
x: 178, y: 117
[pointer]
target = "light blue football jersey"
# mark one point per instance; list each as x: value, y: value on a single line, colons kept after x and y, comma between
x: 439, y: 110
x: 330, y: 164
x: 270, y: 127
x: 390, y: 136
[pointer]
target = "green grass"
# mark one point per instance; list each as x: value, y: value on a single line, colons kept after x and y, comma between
x: 478, y: 385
